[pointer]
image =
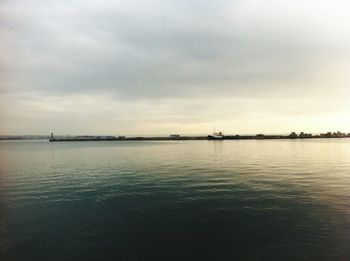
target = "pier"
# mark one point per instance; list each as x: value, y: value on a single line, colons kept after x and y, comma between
x: 177, y: 137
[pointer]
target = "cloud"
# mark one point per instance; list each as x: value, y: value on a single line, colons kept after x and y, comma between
x: 174, y: 52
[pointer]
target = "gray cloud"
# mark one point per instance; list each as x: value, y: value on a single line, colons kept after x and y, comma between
x: 178, y: 50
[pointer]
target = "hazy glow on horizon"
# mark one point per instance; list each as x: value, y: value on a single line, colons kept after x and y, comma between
x: 160, y: 67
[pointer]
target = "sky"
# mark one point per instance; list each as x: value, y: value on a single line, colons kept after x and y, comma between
x: 157, y: 67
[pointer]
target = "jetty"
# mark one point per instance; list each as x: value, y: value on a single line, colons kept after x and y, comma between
x: 215, y: 136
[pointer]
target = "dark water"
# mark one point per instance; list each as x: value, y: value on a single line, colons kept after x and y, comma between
x: 193, y: 200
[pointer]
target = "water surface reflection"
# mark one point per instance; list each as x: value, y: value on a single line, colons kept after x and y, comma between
x: 195, y: 200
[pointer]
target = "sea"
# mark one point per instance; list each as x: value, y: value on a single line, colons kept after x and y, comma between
x: 175, y: 200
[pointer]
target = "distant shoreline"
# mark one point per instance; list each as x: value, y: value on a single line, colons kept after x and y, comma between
x: 176, y: 137
x: 194, y: 138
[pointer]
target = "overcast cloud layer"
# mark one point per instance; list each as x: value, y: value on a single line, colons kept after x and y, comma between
x: 162, y: 66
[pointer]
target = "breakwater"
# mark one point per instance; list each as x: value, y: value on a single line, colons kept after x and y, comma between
x: 208, y: 137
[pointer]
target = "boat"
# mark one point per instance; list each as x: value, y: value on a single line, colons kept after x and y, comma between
x: 216, y: 136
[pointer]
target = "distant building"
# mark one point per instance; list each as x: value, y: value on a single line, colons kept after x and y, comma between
x: 304, y: 135
x: 339, y: 134
x: 326, y: 135
x: 293, y: 135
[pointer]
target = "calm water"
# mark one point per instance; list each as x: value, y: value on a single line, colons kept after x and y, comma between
x: 192, y: 200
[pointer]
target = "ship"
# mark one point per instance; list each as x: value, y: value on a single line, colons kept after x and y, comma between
x: 216, y: 136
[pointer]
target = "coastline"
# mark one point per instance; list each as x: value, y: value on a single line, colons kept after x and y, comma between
x: 184, y: 138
